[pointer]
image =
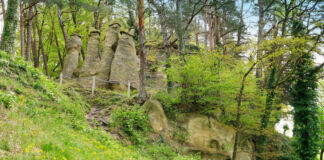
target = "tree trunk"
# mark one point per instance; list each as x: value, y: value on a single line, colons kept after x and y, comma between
x: 197, y: 31
x: 238, y: 111
x: 96, y: 16
x: 260, y: 40
x: 322, y: 154
x: 206, y: 33
x: 224, y: 31
x: 57, y: 44
x: 179, y: 26
x: 41, y: 46
x: 34, y: 47
x: 216, y: 28
x: 3, y: 5
x: 22, y: 27
x: 65, y: 35
x: 29, y: 32
x: 240, y: 27
x: 9, y: 30
x: 142, y: 94
x: 209, y: 19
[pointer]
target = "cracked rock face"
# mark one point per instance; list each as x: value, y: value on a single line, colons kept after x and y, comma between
x: 72, y: 58
x: 125, y: 65
x: 109, y: 48
x: 90, y: 64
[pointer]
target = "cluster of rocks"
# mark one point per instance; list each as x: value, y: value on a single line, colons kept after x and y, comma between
x: 114, y: 66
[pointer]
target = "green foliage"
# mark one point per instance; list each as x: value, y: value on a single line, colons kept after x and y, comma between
x: 208, y: 82
x: 169, y: 103
x: 306, y: 122
x: 8, y: 36
x: 7, y: 99
x: 133, y: 121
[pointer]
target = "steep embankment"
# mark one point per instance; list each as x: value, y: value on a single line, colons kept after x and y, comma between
x: 41, y: 120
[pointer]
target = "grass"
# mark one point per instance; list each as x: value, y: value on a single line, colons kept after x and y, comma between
x: 40, y: 119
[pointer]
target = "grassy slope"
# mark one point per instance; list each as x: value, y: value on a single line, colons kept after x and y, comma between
x: 40, y: 119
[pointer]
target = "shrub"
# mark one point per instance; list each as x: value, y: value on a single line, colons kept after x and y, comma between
x: 7, y: 99
x: 133, y: 121
x: 169, y: 103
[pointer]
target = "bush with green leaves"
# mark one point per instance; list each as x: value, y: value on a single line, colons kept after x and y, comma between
x: 208, y: 82
x: 133, y: 121
x: 169, y: 103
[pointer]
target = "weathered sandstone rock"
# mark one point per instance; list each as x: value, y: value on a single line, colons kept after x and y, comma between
x: 125, y: 65
x: 109, y: 48
x: 156, y: 115
x: 72, y: 58
x: 90, y: 64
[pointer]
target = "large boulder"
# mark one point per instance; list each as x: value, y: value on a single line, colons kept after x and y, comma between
x: 156, y: 115
x: 214, y: 139
x: 92, y: 59
x: 125, y: 65
x: 71, y: 60
x: 109, y: 48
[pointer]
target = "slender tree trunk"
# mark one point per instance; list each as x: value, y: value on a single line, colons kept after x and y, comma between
x: 9, y: 30
x: 34, y: 47
x: 197, y: 31
x: 179, y: 26
x: 209, y: 19
x: 322, y: 154
x: 22, y: 32
x: 3, y: 5
x: 224, y: 31
x: 29, y: 32
x: 96, y: 16
x: 41, y: 46
x: 142, y: 94
x: 65, y: 35
x: 238, y: 111
x: 206, y: 34
x: 57, y: 44
x: 216, y: 28
x: 240, y: 28
x: 260, y: 40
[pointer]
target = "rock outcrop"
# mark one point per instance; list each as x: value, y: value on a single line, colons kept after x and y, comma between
x: 109, y: 48
x: 156, y: 115
x: 90, y: 64
x: 125, y: 65
x: 72, y: 58
x: 214, y: 139
x: 203, y: 134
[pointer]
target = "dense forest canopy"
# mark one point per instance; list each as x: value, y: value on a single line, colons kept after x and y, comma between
x: 246, y: 63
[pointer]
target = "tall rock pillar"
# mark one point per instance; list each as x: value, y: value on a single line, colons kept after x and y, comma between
x: 90, y: 64
x: 109, y: 48
x: 72, y: 58
x: 125, y: 65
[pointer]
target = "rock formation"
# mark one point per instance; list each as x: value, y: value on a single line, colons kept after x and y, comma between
x: 109, y: 48
x: 72, y: 58
x: 156, y: 116
x: 203, y: 134
x: 92, y: 59
x: 125, y: 65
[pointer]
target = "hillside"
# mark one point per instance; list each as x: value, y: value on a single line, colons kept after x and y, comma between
x: 40, y: 119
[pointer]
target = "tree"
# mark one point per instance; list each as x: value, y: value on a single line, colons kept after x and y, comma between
x: 142, y: 92
x: 9, y: 30
x: 304, y: 100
